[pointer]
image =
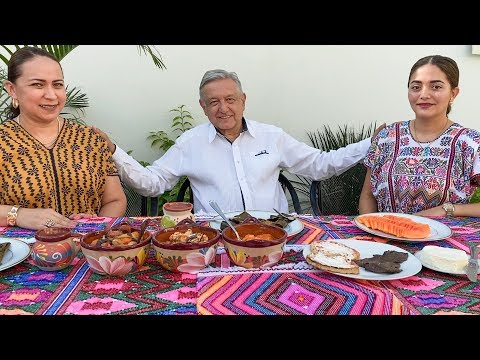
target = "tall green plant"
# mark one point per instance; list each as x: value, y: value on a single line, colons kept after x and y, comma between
x: 181, y: 122
x: 327, y: 139
x: 476, y: 196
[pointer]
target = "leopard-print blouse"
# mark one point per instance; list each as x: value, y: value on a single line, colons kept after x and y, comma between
x: 69, y: 178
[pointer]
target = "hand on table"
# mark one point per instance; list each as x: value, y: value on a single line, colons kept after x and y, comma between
x: 435, y: 211
x: 82, y: 216
x: 36, y: 219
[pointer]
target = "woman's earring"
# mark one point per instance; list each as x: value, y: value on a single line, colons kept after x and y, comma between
x: 14, y: 103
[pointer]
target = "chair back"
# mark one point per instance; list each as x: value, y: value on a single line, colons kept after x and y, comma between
x: 338, y: 195
x: 290, y: 190
x: 139, y: 205
x: 286, y: 185
x: 185, y: 192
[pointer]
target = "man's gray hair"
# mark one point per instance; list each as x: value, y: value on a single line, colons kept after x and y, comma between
x: 219, y: 74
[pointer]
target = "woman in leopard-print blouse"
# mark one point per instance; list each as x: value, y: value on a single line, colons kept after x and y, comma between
x: 52, y: 169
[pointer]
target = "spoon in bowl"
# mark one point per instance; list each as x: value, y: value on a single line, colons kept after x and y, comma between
x: 215, y: 207
x: 143, y: 227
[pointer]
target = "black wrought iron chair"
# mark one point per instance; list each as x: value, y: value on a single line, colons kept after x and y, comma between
x: 286, y: 184
x: 138, y: 205
x: 338, y: 195
x: 185, y: 192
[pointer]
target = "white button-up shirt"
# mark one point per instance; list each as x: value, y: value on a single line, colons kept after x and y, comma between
x: 223, y: 171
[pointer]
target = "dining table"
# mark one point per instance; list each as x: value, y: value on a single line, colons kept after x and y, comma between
x: 289, y: 287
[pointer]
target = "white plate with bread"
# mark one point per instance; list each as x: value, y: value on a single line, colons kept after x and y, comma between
x: 366, y: 249
x: 438, y: 230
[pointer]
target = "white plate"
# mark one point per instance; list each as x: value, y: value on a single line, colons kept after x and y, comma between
x: 292, y: 228
x: 419, y: 254
x: 367, y: 249
x: 16, y: 253
x: 439, y: 231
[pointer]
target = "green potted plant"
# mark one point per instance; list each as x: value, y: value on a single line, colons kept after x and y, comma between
x: 181, y: 122
x: 338, y: 194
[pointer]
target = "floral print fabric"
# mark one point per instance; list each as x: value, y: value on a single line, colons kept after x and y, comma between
x: 407, y: 176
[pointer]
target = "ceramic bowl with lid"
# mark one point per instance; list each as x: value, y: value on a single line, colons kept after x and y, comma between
x: 174, y: 212
x: 55, y: 248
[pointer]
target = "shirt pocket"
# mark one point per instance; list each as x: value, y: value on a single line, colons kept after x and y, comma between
x: 262, y: 162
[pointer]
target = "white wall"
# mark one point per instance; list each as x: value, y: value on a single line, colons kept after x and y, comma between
x: 298, y: 87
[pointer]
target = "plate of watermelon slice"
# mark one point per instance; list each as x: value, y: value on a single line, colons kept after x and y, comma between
x: 403, y: 227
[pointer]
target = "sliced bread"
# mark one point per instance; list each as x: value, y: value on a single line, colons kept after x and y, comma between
x: 333, y: 256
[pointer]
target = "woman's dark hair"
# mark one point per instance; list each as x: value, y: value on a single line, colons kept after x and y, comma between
x: 448, y: 66
x: 15, y: 63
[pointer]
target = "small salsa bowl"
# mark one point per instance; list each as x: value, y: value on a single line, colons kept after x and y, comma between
x: 115, y: 260
x: 188, y: 257
x: 256, y: 253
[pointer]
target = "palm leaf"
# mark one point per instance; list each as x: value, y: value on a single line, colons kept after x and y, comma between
x: 59, y: 51
x: 76, y: 99
x: 154, y: 54
x: 10, y: 52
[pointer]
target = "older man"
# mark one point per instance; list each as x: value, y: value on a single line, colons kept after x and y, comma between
x: 233, y: 160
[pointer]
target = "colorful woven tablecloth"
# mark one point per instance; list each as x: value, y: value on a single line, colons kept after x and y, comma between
x: 428, y: 292
x: 25, y: 289
x: 290, y: 287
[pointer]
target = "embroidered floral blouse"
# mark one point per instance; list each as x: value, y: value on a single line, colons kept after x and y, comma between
x: 407, y: 176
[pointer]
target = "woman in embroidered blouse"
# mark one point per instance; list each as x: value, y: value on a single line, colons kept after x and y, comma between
x: 52, y: 168
x: 429, y: 165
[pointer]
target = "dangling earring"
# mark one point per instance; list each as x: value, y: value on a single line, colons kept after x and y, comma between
x: 15, y: 103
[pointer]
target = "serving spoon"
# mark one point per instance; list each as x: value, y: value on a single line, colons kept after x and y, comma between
x: 215, y: 207
x: 143, y: 227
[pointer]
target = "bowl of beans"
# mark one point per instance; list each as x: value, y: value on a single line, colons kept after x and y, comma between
x: 116, y: 251
x: 187, y: 247
x: 260, y: 245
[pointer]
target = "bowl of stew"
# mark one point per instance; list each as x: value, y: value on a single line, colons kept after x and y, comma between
x: 117, y: 251
x: 187, y: 247
x: 260, y: 245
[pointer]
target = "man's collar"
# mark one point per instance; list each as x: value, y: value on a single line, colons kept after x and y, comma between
x: 214, y: 131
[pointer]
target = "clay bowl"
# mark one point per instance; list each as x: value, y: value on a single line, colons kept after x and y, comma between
x: 254, y: 253
x: 115, y: 260
x: 188, y: 257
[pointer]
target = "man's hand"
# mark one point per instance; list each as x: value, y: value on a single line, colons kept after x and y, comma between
x: 110, y: 144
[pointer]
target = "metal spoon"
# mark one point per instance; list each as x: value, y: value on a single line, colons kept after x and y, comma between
x: 215, y: 207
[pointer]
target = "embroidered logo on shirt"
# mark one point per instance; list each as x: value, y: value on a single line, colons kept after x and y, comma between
x: 262, y: 152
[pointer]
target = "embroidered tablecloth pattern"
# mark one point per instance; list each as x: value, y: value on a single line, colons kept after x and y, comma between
x: 290, y: 287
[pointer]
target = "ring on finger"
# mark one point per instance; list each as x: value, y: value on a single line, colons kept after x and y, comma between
x: 50, y: 223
